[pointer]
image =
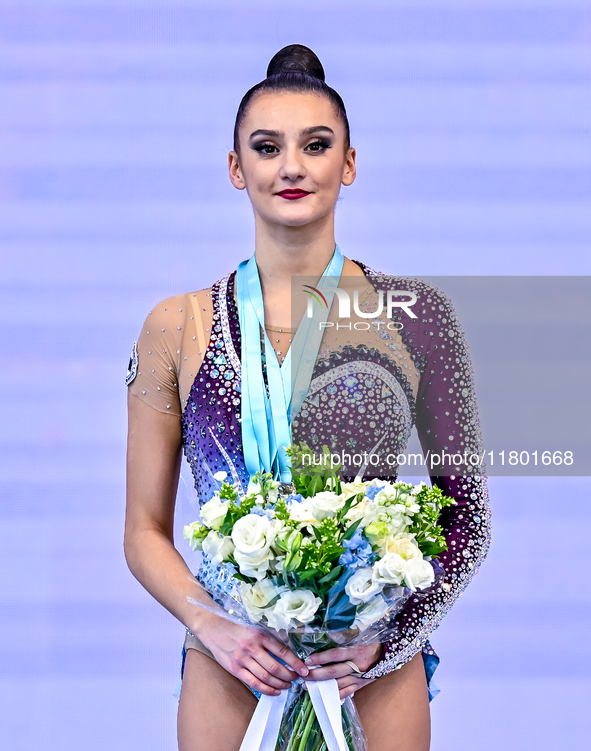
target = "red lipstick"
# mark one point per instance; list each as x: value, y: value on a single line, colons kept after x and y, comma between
x: 292, y: 194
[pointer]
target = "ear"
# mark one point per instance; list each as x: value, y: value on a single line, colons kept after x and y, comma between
x: 349, y: 169
x: 235, y: 172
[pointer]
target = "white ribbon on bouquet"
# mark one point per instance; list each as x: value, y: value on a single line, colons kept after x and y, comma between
x: 263, y: 731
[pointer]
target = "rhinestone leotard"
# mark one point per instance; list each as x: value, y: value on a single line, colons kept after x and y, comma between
x: 361, y: 395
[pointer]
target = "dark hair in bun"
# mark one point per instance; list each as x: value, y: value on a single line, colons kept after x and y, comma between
x: 294, y: 68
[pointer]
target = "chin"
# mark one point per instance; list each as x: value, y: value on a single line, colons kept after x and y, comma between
x: 294, y: 217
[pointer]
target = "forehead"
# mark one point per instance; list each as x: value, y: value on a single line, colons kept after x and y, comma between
x: 290, y: 112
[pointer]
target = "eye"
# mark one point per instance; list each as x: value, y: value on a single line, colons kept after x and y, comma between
x: 319, y: 146
x: 265, y: 148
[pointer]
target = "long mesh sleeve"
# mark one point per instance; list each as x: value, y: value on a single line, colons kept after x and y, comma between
x: 447, y: 424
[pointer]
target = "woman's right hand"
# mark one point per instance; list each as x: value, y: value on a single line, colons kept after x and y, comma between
x: 244, y: 652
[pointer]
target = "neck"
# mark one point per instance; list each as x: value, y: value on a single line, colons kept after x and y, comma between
x: 284, y: 252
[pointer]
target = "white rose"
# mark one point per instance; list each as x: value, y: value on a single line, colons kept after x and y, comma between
x: 253, y: 536
x: 419, y: 574
x: 326, y: 504
x: 370, y: 612
x: 297, y: 605
x: 404, y: 545
x: 256, y: 597
x: 390, y: 569
x: 220, y: 476
x: 213, y: 512
x: 361, y: 587
x: 217, y: 547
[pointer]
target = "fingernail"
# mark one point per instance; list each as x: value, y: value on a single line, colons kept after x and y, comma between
x: 308, y: 659
x: 304, y: 671
x: 276, y: 693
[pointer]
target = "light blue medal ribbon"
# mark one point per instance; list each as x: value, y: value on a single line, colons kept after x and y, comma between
x: 266, y: 419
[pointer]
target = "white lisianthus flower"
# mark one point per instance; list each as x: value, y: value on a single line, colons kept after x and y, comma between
x: 253, y: 536
x: 361, y: 587
x: 218, y: 547
x: 214, y: 512
x: 419, y: 574
x: 256, y: 597
x: 296, y: 605
x: 352, y: 488
x: 259, y: 500
x: 220, y: 476
x: 370, y: 612
x: 302, y: 512
x: 325, y: 505
x: 390, y: 569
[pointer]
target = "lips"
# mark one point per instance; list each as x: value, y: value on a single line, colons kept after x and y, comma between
x: 291, y: 195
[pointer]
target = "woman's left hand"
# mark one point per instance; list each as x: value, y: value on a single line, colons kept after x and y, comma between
x: 364, y: 657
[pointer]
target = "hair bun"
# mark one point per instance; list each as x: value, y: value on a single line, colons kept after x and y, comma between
x: 296, y: 57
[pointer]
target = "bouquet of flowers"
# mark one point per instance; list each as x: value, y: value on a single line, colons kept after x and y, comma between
x: 319, y: 564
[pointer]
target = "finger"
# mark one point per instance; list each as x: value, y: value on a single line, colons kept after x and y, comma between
x: 264, y: 675
x: 349, y: 680
x: 347, y: 691
x: 336, y: 654
x: 326, y: 672
x: 284, y: 653
x: 251, y: 680
x: 270, y: 664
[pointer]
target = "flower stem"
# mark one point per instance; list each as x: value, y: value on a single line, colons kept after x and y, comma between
x: 307, y: 729
x: 305, y: 705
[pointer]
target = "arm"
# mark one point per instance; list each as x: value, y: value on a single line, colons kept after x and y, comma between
x: 153, y: 463
x: 447, y: 421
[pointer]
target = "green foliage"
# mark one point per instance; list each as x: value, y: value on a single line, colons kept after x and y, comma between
x: 228, y: 492
x: 236, y: 512
x: 318, y: 557
x: 429, y: 534
x: 282, y: 513
x: 309, y: 476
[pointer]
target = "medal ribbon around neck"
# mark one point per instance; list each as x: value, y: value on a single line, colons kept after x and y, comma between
x: 266, y: 419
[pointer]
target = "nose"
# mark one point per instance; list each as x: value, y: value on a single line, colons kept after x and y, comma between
x: 292, y: 164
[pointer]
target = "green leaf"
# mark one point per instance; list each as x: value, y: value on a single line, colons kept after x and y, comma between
x: 332, y: 575
x: 316, y: 486
x: 310, y: 574
x: 352, y: 529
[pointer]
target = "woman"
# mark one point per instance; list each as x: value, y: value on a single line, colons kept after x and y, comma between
x: 292, y: 154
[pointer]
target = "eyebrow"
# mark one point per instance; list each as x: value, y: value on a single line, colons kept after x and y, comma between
x: 278, y: 133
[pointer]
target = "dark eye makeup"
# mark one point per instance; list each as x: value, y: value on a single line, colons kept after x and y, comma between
x: 316, y: 147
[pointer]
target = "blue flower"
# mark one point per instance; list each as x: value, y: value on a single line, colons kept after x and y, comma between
x: 294, y: 498
x: 258, y: 511
x: 372, y: 491
x: 359, y: 552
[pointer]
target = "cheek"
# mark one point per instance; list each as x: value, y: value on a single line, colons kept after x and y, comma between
x: 329, y: 174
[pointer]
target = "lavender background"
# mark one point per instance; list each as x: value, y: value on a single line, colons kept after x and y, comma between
x: 472, y: 125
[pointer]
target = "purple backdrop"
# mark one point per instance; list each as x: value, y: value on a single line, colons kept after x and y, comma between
x: 472, y: 125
